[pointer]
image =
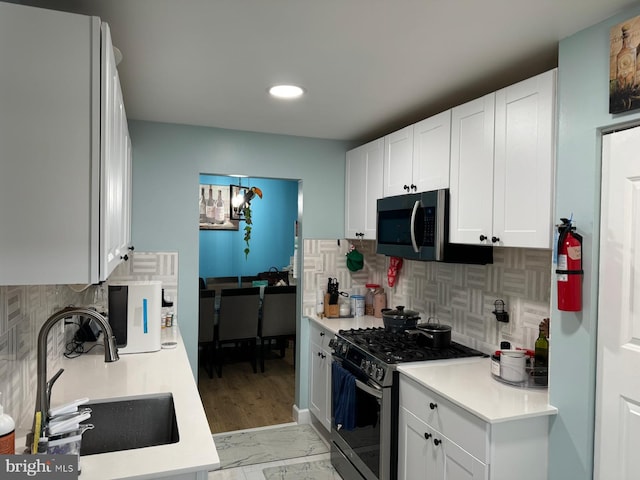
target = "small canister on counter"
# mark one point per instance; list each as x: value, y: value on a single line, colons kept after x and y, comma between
x: 357, y: 305
x: 379, y: 302
x: 368, y: 299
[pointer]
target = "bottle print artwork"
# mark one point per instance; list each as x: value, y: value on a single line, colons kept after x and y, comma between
x: 626, y: 61
x: 210, y: 207
x: 203, y: 207
x: 219, y: 209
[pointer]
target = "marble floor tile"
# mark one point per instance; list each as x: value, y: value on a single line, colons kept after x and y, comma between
x: 255, y: 471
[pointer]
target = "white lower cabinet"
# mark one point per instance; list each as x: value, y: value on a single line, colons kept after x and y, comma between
x: 439, y: 440
x: 320, y: 374
x: 427, y: 453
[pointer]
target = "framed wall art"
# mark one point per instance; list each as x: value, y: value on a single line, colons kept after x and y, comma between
x: 624, y: 66
x: 215, y: 211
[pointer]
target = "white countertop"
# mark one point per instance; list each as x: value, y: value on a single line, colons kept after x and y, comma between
x: 166, y: 370
x: 468, y: 383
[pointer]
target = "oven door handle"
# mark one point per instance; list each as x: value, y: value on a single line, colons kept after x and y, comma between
x: 376, y: 392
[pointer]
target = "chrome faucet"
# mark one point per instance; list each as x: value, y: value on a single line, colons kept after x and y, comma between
x: 43, y: 394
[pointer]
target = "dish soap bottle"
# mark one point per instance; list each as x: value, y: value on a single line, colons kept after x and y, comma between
x: 7, y: 433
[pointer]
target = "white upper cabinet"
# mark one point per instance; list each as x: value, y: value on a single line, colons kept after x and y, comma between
x: 471, y: 181
x: 432, y: 152
x: 52, y: 174
x: 398, y: 159
x: 115, y: 215
x: 416, y: 158
x: 363, y: 187
x: 502, y: 166
x: 524, y: 163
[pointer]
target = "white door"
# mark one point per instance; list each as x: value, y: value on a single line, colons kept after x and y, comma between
x: 617, y: 440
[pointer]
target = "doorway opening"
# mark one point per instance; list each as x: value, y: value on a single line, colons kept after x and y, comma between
x: 241, y: 398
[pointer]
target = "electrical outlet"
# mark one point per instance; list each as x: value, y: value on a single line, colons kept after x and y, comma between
x: 319, y: 265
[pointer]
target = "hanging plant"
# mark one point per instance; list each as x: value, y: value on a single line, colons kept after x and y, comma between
x: 246, y: 212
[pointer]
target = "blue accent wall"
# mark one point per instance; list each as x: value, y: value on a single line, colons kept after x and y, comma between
x: 583, y: 106
x: 272, y: 234
x: 167, y: 162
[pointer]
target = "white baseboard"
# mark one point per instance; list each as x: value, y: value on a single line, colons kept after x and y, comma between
x: 301, y: 416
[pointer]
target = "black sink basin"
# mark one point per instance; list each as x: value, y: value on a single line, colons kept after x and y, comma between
x: 129, y: 423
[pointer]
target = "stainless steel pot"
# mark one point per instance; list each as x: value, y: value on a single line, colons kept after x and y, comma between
x: 399, y: 320
x: 433, y: 334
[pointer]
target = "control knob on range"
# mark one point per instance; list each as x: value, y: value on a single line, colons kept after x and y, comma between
x: 379, y: 374
x: 344, y: 348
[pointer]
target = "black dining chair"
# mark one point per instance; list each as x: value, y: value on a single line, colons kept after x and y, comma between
x: 247, y: 281
x: 237, y: 323
x: 206, y: 320
x: 278, y: 320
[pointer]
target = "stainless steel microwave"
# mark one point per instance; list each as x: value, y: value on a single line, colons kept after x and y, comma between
x: 416, y: 227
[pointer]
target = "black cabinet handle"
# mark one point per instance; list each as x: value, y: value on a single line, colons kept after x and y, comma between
x: 433, y: 406
x: 482, y: 238
x: 495, y: 239
x: 406, y: 187
x: 437, y: 442
x: 131, y: 248
x: 322, y: 334
x: 124, y: 257
x: 413, y: 187
x: 427, y: 436
x: 322, y: 355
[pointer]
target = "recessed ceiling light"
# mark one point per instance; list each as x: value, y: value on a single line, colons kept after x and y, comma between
x: 286, y: 91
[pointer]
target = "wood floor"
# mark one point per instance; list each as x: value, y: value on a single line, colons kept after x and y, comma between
x: 242, y: 399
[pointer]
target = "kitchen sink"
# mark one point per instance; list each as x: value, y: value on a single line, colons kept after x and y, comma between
x: 130, y: 422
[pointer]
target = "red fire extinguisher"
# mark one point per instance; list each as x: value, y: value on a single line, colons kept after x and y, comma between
x: 569, y: 269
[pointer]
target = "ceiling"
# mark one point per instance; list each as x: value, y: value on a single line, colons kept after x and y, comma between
x: 368, y: 66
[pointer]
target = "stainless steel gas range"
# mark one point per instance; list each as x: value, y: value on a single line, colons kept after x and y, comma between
x: 364, y: 397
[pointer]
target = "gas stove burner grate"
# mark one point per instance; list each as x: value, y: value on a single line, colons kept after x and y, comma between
x: 394, y: 347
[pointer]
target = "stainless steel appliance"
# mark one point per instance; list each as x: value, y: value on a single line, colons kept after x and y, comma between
x: 369, y: 449
x: 416, y: 226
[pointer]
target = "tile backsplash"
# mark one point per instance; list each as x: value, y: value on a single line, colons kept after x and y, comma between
x: 459, y: 295
x: 23, y: 310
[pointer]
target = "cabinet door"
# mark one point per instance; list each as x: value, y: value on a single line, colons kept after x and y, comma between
x: 363, y: 187
x: 417, y: 456
x: 398, y: 158
x: 471, y: 179
x: 320, y: 384
x: 524, y: 163
x: 458, y: 463
x: 431, y: 152
x: 49, y: 127
x: 114, y: 165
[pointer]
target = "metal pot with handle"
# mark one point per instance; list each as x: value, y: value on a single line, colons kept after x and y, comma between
x: 399, y: 320
x: 433, y: 334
